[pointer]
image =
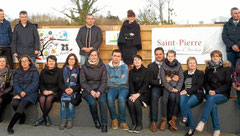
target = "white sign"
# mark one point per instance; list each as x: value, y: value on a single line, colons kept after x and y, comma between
x: 189, y: 41
x: 112, y: 37
x: 59, y: 42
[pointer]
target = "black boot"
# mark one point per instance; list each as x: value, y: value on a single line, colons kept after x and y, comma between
x: 104, y: 128
x: 13, y: 121
x: 97, y: 124
x: 39, y: 122
x: 187, y: 134
x: 48, y: 121
x: 22, y: 118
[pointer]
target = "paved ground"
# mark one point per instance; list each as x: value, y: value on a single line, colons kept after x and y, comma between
x: 28, y: 130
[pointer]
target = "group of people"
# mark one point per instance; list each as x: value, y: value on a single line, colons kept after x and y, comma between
x: 124, y: 78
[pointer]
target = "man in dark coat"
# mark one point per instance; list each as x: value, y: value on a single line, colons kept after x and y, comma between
x: 231, y: 36
x: 25, y: 40
x: 5, y: 38
x: 89, y: 37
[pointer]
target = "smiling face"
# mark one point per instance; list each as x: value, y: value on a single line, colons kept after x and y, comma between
x: 71, y: 61
x: 51, y: 63
x: 3, y: 63
x: 137, y: 62
x: 23, y: 18
x: 1, y: 15
x: 131, y: 19
x: 192, y: 64
x: 171, y: 57
x: 216, y: 58
x: 93, y: 56
x: 159, y: 55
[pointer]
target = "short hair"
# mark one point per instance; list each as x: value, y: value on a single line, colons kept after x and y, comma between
x: 76, y: 65
x: 158, y: 48
x: 1, y: 10
x: 117, y: 51
x: 191, y: 58
x: 234, y: 8
x: 137, y: 56
x: 219, y: 53
x: 130, y: 13
x: 171, y: 51
x: 23, y: 12
x: 90, y: 15
x: 4, y: 57
x: 29, y: 59
x: 52, y: 57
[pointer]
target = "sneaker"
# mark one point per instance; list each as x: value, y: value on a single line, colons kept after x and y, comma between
x: 63, y: 124
x: 132, y: 128
x: 114, y: 124
x: 216, y: 133
x: 69, y: 123
x: 39, y: 122
x: 200, y: 126
x: 137, y: 129
x: 124, y: 126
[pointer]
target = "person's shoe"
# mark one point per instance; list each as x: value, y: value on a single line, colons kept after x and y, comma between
x: 173, y: 123
x: 63, y: 124
x: 115, y: 124
x: 216, y: 133
x: 69, y: 123
x: 22, y: 119
x: 153, y: 127
x: 138, y: 129
x: 39, y: 122
x: 97, y: 124
x: 104, y: 128
x: 200, y: 126
x: 124, y: 126
x: 10, y: 131
x: 132, y: 128
x: 172, y: 129
x: 187, y: 134
x: 48, y: 121
x: 163, y: 124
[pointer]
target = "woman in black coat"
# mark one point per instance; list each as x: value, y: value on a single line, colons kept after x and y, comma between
x: 129, y: 38
x: 93, y: 80
x: 49, y: 89
x: 217, y: 84
x: 6, y: 84
x: 192, y: 93
x: 139, y: 94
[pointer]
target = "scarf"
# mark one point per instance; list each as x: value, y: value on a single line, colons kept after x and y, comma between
x: 173, y: 64
x: 70, y: 77
x: 215, y: 65
x: 93, y: 63
x: 159, y: 66
x: 3, y: 74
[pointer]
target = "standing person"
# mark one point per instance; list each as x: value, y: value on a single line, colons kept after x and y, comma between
x: 93, y: 79
x: 138, y: 87
x: 25, y: 83
x: 70, y: 87
x: 6, y: 84
x: 89, y: 37
x: 117, y: 74
x: 231, y: 38
x: 192, y: 93
x: 5, y: 38
x: 25, y: 39
x: 171, y: 69
x: 129, y: 40
x: 49, y: 89
x: 156, y: 86
x: 217, y: 84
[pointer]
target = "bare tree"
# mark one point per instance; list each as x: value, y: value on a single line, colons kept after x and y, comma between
x: 147, y: 16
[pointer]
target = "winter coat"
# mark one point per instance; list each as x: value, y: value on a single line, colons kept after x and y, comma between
x: 8, y: 89
x: 25, y: 40
x: 219, y: 81
x: 197, y: 84
x: 115, y: 74
x: 28, y: 82
x: 93, y: 77
x: 153, y: 75
x: 95, y: 38
x: 171, y: 70
x: 5, y: 34
x: 231, y: 34
x: 50, y: 80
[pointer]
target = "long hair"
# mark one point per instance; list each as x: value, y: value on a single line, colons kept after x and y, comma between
x: 4, y: 57
x: 76, y: 65
x: 29, y: 59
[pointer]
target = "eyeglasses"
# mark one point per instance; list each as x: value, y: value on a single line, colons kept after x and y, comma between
x: 24, y: 60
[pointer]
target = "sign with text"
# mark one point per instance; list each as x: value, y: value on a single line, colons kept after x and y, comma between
x: 189, y: 41
x: 112, y: 37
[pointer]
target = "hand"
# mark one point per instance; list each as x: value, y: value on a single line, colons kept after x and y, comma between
x: 89, y: 49
x: 16, y: 97
x: 183, y: 92
x: 69, y: 91
x: 132, y: 34
x: 15, y: 54
x: 122, y: 76
x: 211, y: 92
x: 175, y: 78
x: 93, y: 93
x: 22, y: 94
x: 174, y: 90
x: 168, y: 78
x: 97, y: 95
x: 36, y: 52
x: 235, y: 48
x: 238, y: 88
x: 234, y: 86
x: 134, y: 97
x: 45, y: 92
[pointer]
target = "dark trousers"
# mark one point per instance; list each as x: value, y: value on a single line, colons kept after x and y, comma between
x: 173, y: 99
x: 7, y: 52
x: 135, y: 110
x: 4, y: 101
x: 156, y: 93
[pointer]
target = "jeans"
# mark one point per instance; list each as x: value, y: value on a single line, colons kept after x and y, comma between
x: 238, y: 99
x: 67, y: 108
x: 211, y: 108
x: 233, y: 57
x: 156, y: 93
x: 93, y: 107
x: 83, y: 59
x: 186, y: 103
x: 121, y: 94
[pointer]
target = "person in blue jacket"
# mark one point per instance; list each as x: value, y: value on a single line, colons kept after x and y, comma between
x: 25, y: 84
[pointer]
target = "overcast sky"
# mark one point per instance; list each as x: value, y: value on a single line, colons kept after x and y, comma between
x: 188, y: 11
